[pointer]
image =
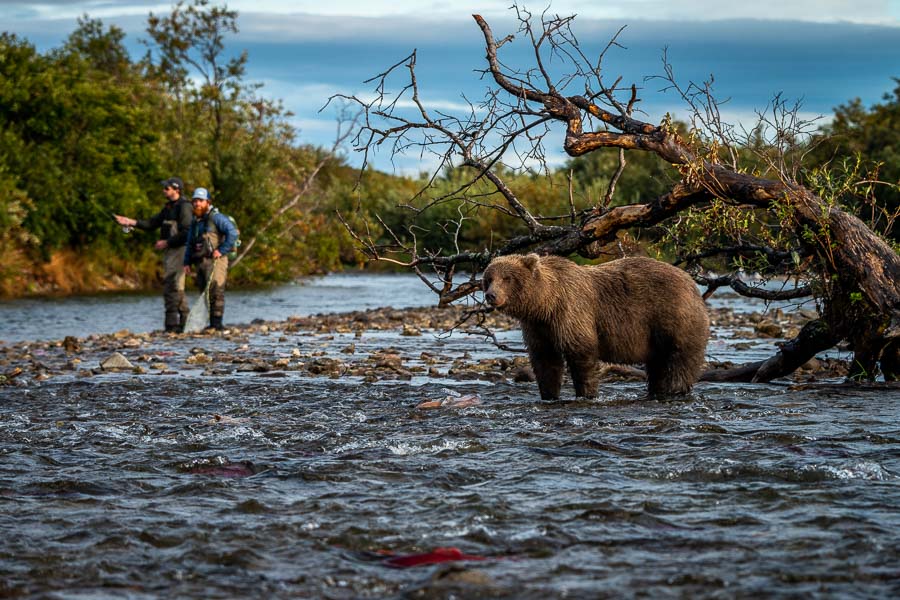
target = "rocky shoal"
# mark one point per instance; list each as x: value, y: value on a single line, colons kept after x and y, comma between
x: 373, y: 345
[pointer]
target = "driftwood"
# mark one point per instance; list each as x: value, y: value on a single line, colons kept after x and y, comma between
x: 813, y: 338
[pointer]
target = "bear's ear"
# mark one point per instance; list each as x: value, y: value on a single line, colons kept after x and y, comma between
x: 531, y: 261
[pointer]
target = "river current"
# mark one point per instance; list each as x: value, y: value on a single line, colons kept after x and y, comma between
x: 281, y: 485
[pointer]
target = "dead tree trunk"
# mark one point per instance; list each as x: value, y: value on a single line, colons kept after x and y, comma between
x: 856, y: 275
x: 859, y: 271
x: 815, y: 337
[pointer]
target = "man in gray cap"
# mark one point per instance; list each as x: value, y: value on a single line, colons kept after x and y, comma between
x: 211, y: 238
x: 173, y: 221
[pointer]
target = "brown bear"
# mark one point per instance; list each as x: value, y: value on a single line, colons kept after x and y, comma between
x: 631, y: 310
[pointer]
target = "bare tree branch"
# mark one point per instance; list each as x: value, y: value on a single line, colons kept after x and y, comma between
x: 857, y: 273
x: 742, y: 288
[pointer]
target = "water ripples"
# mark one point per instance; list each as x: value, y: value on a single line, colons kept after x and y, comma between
x: 279, y: 488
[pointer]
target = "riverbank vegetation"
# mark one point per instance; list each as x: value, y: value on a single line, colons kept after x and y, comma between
x: 86, y: 130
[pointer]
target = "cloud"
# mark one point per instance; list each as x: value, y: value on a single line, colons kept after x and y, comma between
x: 373, y: 19
x: 309, y: 20
x: 458, y: 108
x: 303, y: 52
x: 314, y: 96
x: 822, y: 11
x: 815, y: 11
x: 306, y: 96
x: 72, y: 9
x: 268, y: 27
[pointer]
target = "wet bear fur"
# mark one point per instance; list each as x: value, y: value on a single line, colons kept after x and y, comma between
x: 630, y: 311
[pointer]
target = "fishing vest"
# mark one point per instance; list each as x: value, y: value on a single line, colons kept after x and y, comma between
x: 206, y: 237
x: 171, y: 214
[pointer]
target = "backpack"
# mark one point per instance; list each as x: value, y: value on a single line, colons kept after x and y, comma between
x: 237, y: 242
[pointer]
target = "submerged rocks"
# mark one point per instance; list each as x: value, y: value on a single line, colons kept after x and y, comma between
x: 769, y: 329
x: 330, y: 367
x: 71, y: 344
x: 10, y: 376
x: 200, y: 358
x: 116, y: 362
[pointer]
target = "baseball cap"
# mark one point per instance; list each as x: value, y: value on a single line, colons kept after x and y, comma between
x: 200, y: 194
x: 174, y: 182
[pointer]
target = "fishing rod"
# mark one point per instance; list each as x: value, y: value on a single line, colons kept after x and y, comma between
x: 125, y: 228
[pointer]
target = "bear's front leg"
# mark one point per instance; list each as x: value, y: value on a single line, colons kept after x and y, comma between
x: 548, y: 370
x: 546, y: 362
x: 585, y: 375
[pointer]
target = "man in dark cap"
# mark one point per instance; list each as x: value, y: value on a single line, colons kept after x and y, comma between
x: 173, y: 221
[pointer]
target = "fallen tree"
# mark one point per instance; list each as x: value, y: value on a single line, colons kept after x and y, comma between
x: 852, y: 273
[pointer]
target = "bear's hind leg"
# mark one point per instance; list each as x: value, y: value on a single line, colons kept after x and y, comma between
x: 585, y: 376
x: 673, y: 371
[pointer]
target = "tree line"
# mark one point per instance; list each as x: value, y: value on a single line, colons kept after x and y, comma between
x: 86, y: 130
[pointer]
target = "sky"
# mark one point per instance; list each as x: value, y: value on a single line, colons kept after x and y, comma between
x: 820, y: 53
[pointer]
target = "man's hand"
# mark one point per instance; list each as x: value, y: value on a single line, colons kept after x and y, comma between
x: 216, y: 253
x: 187, y: 270
x: 161, y: 244
x: 125, y: 221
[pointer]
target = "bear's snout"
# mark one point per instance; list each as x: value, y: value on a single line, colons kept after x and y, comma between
x: 494, y: 297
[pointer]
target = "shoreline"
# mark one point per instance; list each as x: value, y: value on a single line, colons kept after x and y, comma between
x: 137, y: 286
x: 318, y: 345
x: 374, y: 345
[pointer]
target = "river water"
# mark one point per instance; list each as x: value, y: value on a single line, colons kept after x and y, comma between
x: 250, y: 485
x: 49, y: 318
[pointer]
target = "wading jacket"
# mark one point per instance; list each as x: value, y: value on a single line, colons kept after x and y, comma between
x: 212, y: 231
x: 174, y: 221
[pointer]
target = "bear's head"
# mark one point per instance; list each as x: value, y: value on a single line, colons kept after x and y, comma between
x: 508, y: 282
